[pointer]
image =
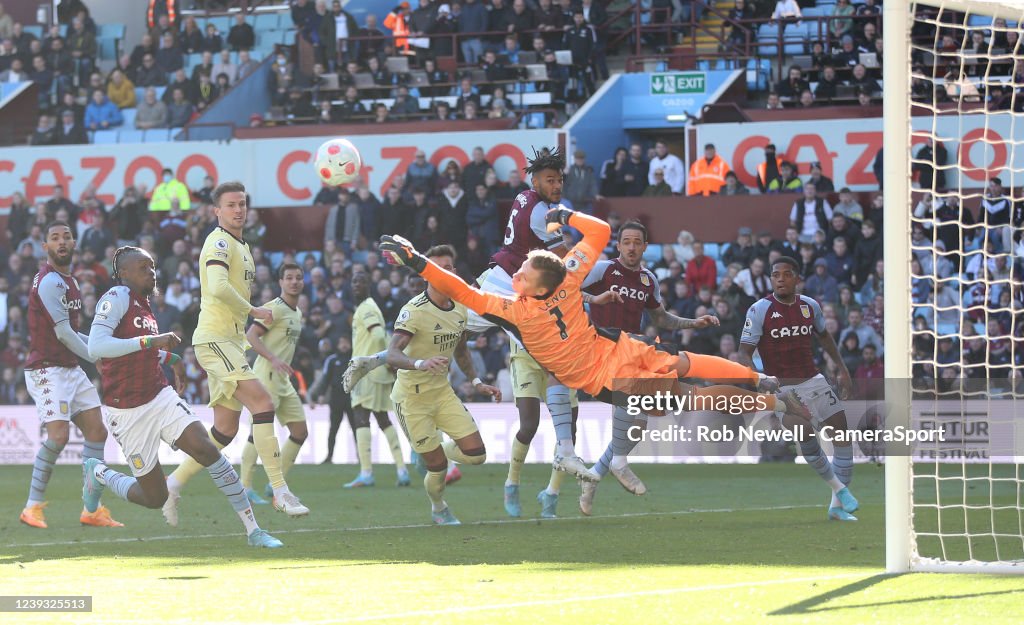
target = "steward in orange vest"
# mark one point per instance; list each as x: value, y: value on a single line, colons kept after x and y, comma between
x: 707, y: 175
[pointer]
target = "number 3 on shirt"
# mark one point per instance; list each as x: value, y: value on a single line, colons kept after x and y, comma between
x: 563, y: 331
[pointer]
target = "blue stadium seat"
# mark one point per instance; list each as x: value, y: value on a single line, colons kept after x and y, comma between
x: 812, y: 12
x: 160, y: 92
x: 105, y: 136
x: 129, y: 117
x: 107, y: 48
x: 768, y: 46
x: 116, y: 31
x: 222, y: 22
x: 653, y: 253
x: 712, y: 250
x: 157, y: 135
x: 130, y: 135
x: 768, y: 30
x: 140, y: 94
x: 975, y: 20
x: 34, y: 29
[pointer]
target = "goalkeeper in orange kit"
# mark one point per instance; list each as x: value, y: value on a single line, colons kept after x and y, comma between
x: 548, y: 318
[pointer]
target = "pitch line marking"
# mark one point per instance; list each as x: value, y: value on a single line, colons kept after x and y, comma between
x: 375, y: 528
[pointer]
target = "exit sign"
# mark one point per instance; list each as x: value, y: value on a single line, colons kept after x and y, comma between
x: 673, y: 84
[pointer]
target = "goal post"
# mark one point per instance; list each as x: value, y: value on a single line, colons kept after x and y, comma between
x: 948, y: 511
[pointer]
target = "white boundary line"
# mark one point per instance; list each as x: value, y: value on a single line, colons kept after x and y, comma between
x: 374, y: 528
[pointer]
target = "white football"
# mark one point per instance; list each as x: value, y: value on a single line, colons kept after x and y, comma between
x: 338, y: 162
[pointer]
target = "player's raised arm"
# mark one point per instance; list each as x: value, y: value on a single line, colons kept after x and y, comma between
x: 103, y: 344
x: 399, y: 251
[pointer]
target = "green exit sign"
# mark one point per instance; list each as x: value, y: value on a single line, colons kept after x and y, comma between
x: 674, y: 84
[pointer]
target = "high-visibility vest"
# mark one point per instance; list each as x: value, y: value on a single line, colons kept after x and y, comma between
x: 399, y: 28
x: 762, y: 171
x: 152, y: 6
x: 707, y: 178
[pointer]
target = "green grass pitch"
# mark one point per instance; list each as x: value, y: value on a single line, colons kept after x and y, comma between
x: 708, y: 544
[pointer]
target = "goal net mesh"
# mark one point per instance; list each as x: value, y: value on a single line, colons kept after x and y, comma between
x: 967, y: 341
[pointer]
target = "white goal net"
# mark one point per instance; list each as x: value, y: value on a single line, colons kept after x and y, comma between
x: 954, y: 203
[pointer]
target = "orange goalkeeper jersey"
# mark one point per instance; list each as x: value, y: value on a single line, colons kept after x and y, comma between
x: 556, y: 331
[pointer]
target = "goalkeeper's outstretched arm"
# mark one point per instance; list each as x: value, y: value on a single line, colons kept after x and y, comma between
x: 400, y: 251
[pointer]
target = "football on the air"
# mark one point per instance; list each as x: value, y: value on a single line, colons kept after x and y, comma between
x: 338, y: 162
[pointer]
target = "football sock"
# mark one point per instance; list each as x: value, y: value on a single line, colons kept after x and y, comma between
x: 516, y: 461
x: 189, y: 467
x: 433, y: 482
x: 561, y: 417
x: 396, y: 447
x: 816, y: 458
x: 621, y: 445
x: 265, y: 439
x: 714, y: 368
x: 117, y: 482
x: 452, y: 451
x: 226, y: 479
x: 248, y: 466
x: 363, y: 450
x: 555, y: 483
x: 289, y: 452
x: 842, y: 464
x: 42, y: 468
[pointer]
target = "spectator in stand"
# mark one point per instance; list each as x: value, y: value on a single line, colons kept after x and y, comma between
x: 180, y: 110
x: 380, y: 113
x: 848, y: 55
x: 151, y: 112
x: 149, y: 75
x: 774, y: 103
x: 768, y: 170
x: 864, y: 332
x: 472, y: 19
x: 867, y: 253
x: 707, y: 175
x: 806, y: 99
x: 636, y: 170
x: 849, y: 206
x: 786, y: 12
x: 742, y: 250
x: 241, y: 36
x: 841, y: 23
x: 482, y: 218
x: 523, y: 21
x: 206, y: 92
x: 351, y: 109
x: 225, y: 66
x: 580, y: 186
x: 212, y: 42
x: 205, y: 66
x: 70, y: 131
x: 732, y: 186
x: 827, y: 84
x: 821, y: 286
x: 182, y: 82
x: 476, y: 170
x: 191, y: 37
x: 840, y: 226
x: 101, y: 113
x: 673, y: 167
x: 376, y: 42
x: 421, y: 174
x: 822, y: 184
x: 167, y: 190
x: 81, y: 45
x: 299, y: 108
x: 794, y: 84
x: 612, y: 172
x: 864, y: 99
x: 811, y: 213
x: 397, y: 21
x: 739, y: 13
x: 120, y: 90
x: 753, y: 280
x: 840, y: 261
x: 15, y: 73
x: 860, y: 80
x: 168, y: 57
x: 661, y: 189
x: 787, y: 182
x: 995, y: 214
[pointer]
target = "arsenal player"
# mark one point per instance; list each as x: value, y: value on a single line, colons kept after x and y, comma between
x: 780, y: 327
x: 141, y: 408
x: 630, y: 290
x: 61, y: 390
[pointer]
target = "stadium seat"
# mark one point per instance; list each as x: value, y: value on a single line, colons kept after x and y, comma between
x: 116, y: 31
x: 160, y: 92
x: 157, y: 135
x: 129, y: 117
x: 130, y: 135
x: 34, y: 30
x: 106, y: 136
x: 712, y: 250
x: 653, y: 253
x: 975, y: 20
x: 222, y: 22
